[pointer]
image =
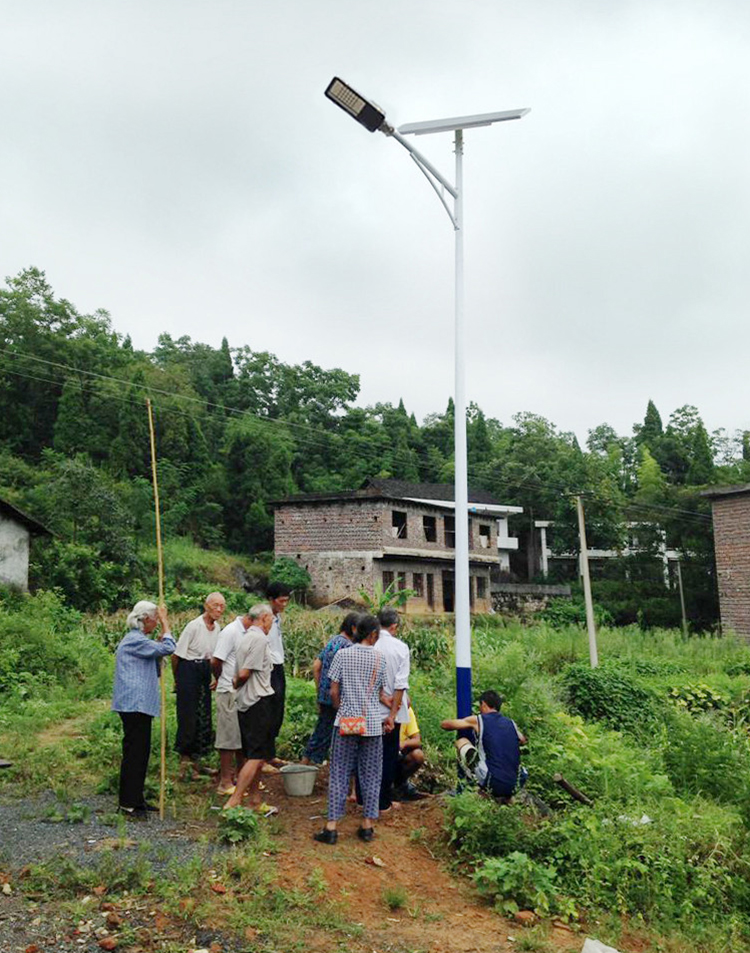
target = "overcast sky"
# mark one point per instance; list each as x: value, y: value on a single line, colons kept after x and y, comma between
x: 176, y: 163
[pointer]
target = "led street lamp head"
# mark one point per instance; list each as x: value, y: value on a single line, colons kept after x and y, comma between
x: 366, y: 113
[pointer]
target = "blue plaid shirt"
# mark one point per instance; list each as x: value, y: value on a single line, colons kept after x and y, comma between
x: 326, y: 657
x: 137, y: 669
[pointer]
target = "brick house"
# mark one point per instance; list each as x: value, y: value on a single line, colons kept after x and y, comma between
x: 390, y: 531
x: 730, y: 507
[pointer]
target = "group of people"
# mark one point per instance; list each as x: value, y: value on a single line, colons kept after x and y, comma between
x: 242, y: 665
x: 366, y: 726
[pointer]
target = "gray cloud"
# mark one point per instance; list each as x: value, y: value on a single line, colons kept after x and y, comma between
x: 177, y: 164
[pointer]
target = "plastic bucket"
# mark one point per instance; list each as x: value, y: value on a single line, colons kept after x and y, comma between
x: 299, y: 779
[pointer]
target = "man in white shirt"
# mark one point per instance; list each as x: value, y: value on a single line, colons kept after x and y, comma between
x: 224, y: 668
x: 278, y: 599
x: 394, y: 698
x: 191, y: 665
x: 255, y: 712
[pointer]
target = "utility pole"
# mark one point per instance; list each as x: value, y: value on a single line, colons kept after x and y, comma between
x: 590, y: 624
x: 682, y: 598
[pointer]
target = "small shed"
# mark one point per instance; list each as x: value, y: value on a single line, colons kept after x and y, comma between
x: 16, y: 530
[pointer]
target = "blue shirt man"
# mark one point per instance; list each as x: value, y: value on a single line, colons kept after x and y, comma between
x: 496, y: 758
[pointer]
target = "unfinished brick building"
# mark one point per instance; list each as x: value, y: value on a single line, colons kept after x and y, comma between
x: 390, y: 531
x: 731, y: 519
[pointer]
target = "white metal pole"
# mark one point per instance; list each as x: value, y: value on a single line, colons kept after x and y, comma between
x: 461, y: 596
x: 590, y: 625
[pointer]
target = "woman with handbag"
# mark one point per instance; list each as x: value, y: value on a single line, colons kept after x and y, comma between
x: 357, y: 674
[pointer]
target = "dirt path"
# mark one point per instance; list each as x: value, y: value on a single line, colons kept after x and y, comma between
x: 398, y: 891
x: 440, y: 914
x: 75, y: 727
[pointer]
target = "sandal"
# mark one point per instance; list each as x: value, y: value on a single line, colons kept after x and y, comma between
x: 366, y: 834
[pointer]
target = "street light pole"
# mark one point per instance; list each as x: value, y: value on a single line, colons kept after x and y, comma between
x: 373, y: 118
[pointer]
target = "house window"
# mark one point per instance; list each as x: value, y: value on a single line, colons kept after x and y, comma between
x: 417, y: 584
x: 387, y: 579
x: 471, y: 591
x: 430, y: 590
x: 401, y: 581
x: 484, y: 536
x: 450, y: 532
x: 481, y: 587
x: 430, y: 528
x: 398, y: 523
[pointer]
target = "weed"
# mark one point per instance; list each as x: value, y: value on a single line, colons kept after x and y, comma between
x: 395, y: 897
x: 316, y: 880
x: 237, y: 824
x: 532, y: 941
x: 517, y: 882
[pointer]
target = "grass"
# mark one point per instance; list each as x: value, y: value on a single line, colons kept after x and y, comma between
x: 680, y: 879
x: 395, y: 897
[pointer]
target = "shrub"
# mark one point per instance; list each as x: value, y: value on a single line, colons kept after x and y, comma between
x: 237, y: 824
x: 697, y: 698
x: 560, y: 613
x: 609, y: 695
x: 290, y: 572
x: 42, y: 643
x: 428, y: 642
x: 703, y: 757
x: 516, y: 881
x: 477, y: 826
x: 299, y: 718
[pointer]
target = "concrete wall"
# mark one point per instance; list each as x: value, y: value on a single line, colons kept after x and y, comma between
x: 731, y: 517
x: 524, y: 599
x: 14, y: 554
x: 340, y: 574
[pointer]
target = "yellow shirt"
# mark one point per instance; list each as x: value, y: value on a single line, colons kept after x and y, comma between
x: 408, y: 728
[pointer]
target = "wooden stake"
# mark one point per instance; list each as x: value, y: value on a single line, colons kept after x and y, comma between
x: 160, y: 564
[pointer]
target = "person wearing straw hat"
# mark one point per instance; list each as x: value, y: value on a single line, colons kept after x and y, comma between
x: 136, y: 699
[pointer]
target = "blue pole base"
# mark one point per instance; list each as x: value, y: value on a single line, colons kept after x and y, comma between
x: 463, y: 692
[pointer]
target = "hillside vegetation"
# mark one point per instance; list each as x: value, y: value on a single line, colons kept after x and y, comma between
x: 238, y: 428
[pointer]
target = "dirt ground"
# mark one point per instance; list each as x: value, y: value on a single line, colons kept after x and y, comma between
x: 438, y: 911
x: 442, y: 913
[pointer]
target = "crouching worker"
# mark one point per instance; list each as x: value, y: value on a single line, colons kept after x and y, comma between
x: 410, y: 760
x: 495, y: 760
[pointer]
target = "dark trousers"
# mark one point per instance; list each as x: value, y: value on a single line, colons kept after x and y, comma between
x: 390, y: 760
x: 194, y: 731
x: 136, y: 748
x: 320, y: 740
x: 278, y: 684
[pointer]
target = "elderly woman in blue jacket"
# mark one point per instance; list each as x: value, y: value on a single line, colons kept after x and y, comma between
x: 136, y: 698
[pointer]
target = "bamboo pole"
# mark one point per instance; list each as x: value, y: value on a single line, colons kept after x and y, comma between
x: 160, y: 563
